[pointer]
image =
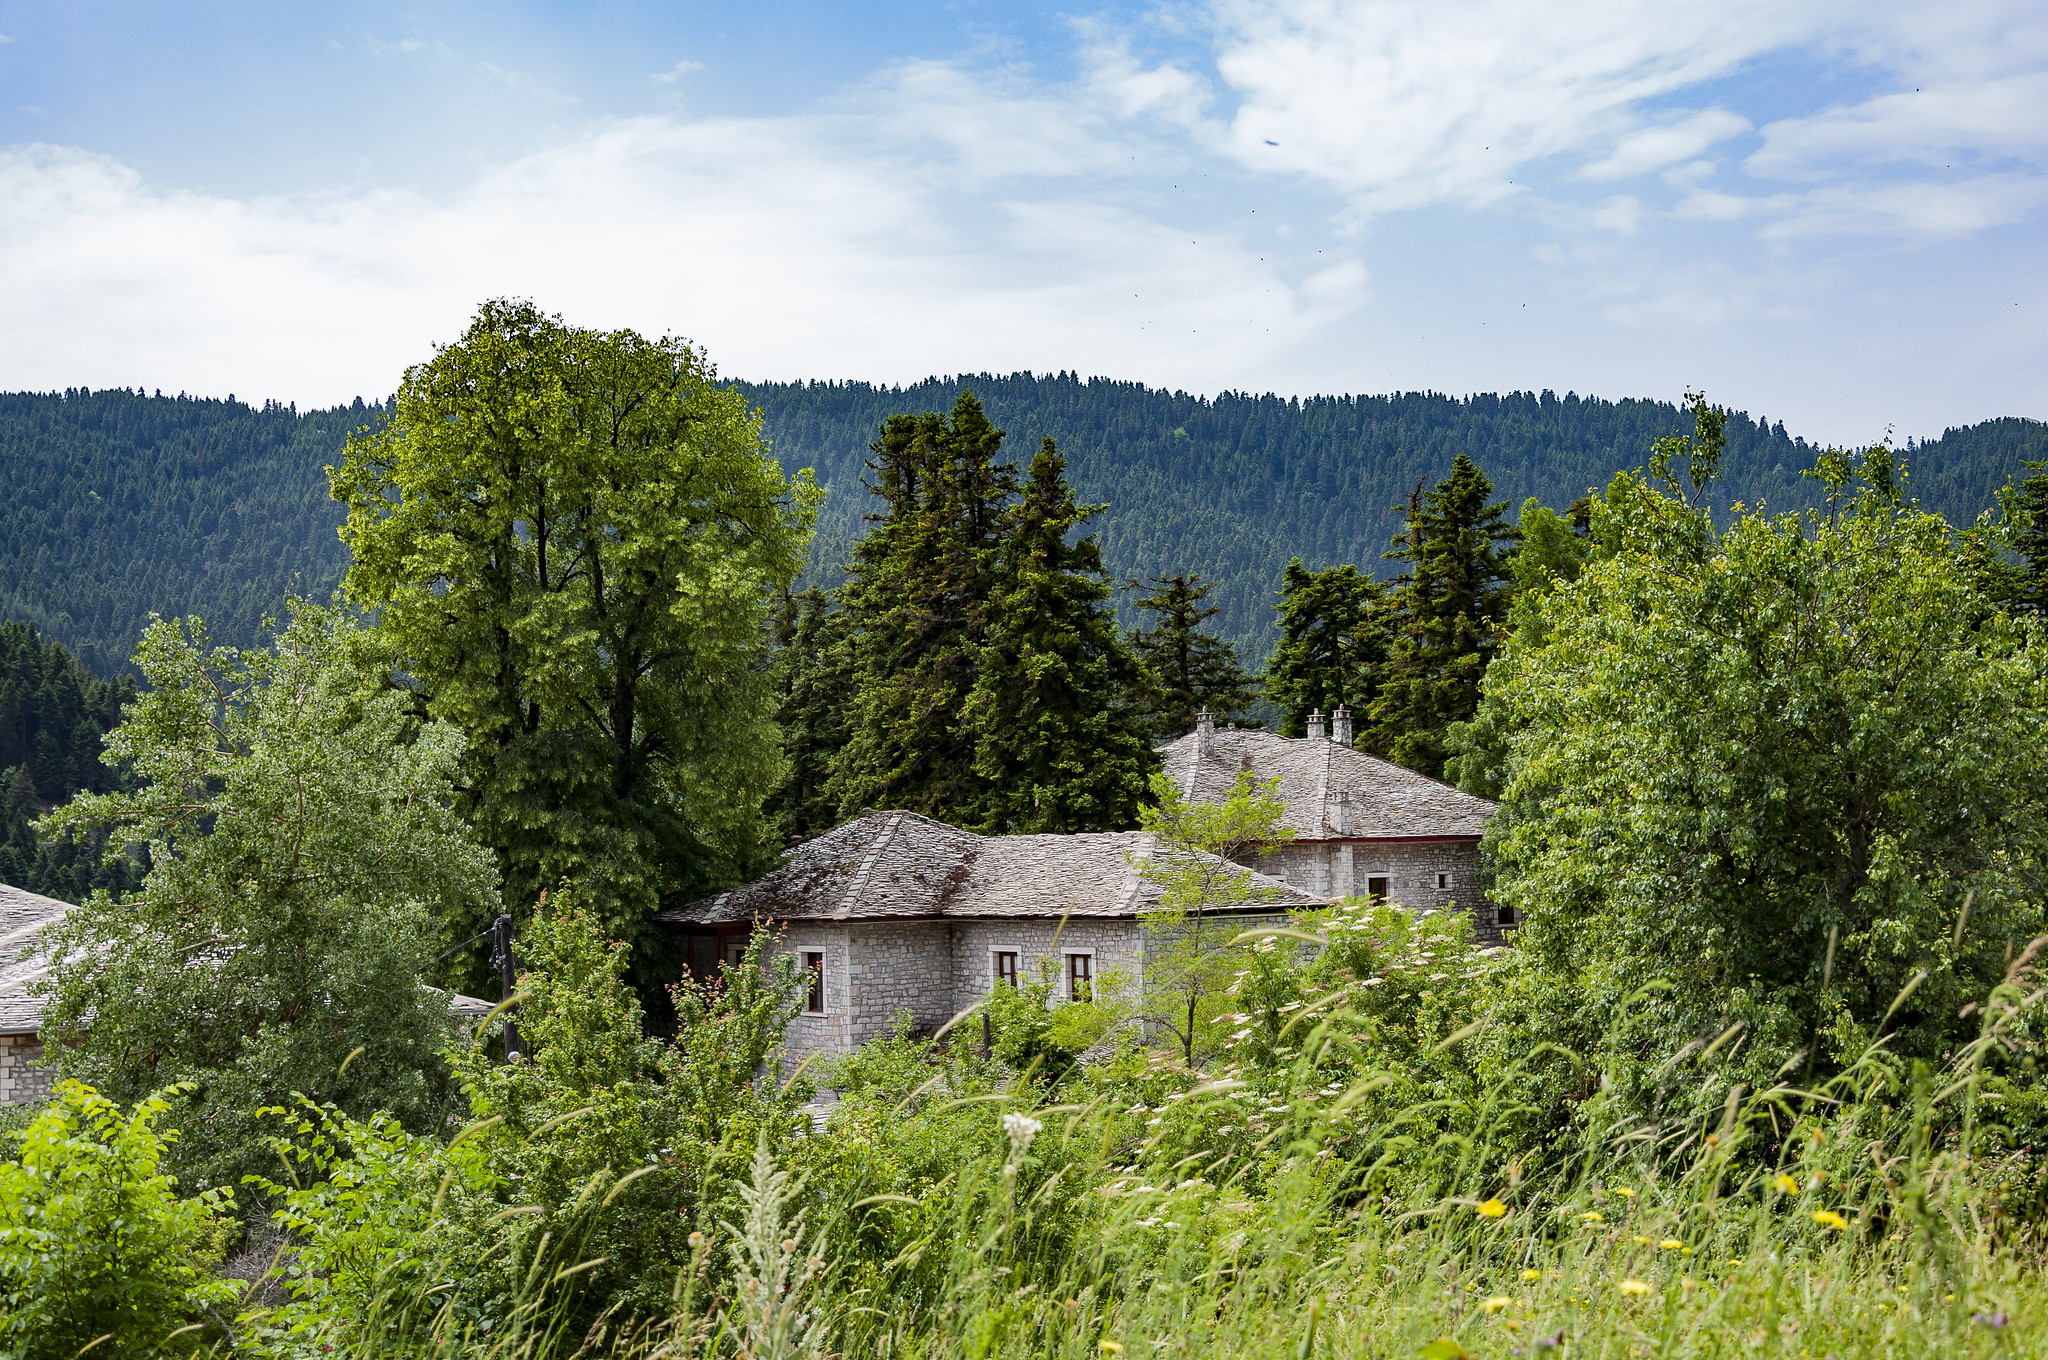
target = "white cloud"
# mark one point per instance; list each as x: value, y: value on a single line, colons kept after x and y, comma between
x: 913, y: 229
x: 1938, y: 128
x: 676, y: 72
x: 1653, y: 148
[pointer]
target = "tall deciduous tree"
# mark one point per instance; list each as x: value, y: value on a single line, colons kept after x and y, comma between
x: 918, y: 593
x: 1446, y: 617
x: 572, y: 537
x: 1190, y: 667
x: 1792, y: 769
x: 303, y: 845
x: 1332, y: 643
x: 1054, y: 743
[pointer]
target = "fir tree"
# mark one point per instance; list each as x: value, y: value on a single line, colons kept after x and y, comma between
x: 1058, y: 750
x: 1447, y: 616
x: 2022, y: 585
x: 815, y: 680
x: 1189, y: 667
x: 1332, y: 643
x: 917, y: 597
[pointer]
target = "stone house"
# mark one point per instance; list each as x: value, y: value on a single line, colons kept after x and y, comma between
x: 1363, y: 827
x: 897, y: 913
x: 23, y: 1077
x: 894, y: 912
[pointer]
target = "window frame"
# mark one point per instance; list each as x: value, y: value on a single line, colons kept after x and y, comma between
x: 817, y: 991
x: 1384, y: 892
x: 996, y: 976
x: 1085, y: 975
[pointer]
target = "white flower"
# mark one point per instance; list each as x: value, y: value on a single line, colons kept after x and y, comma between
x: 1022, y: 1128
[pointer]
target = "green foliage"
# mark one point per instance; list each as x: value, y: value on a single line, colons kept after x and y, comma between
x: 1202, y: 887
x: 95, y: 1245
x: 570, y: 538
x: 1333, y: 644
x: 604, y: 1147
x: 2022, y: 586
x: 1189, y: 667
x: 53, y: 715
x: 815, y: 682
x: 302, y: 841
x: 115, y: 506
x: 1056, y: 748
x: 918, y: 594
x: 1783, y: 773
x: 1446, y: 618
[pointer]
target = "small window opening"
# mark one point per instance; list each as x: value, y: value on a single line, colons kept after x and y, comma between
x: 1443, y: 881
x: 1080, y: 977
x: 1006, y: 968
x: 814, y: 964
x: 1509, y: 917
x: 1376, y: 889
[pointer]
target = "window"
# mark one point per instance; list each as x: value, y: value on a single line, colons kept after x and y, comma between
x: 1507, y: 916
x: 1376, y: 888
x: 1006, y: 967
x: 1080, y: 977
x: 814, y: 964
x: 1443, y: 881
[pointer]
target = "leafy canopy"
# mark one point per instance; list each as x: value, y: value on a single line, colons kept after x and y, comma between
x: 303, y: 843
x: 571, y: 537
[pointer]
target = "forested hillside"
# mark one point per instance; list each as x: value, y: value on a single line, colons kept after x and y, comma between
x: 1233, y: 486
x: 116, y: 504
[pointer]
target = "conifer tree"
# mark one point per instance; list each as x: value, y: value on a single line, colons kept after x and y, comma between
x: 1332, y: 643
x: 1190, y: 668
x: 1057, y: 748
x: 816, y: 684
x: 917, y: 598
x: 1447, y: 616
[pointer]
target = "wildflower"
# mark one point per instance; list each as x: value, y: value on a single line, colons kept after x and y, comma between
x: 1022, y: 1128
x: 1634, y: 1287
x: 1112, y: 1348
x: 1828, y: 1218
x: 1685, y: 1282
x: 1624, y: 1192
x: 1491, y: 1208
x: 1592, y: 1216
x: 1532, y: 1274
x: 1496, y: 1303
x: 1671, y: 1244
x: 1784, y: 1184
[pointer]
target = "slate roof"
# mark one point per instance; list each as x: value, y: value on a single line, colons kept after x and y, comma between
x: 899, y: 865
x: 1384, y: 800
x: 22, y: 917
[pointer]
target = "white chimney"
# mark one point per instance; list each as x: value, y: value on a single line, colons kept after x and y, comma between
x: 1340, y: 726
x: 1315, y: 725
x: 1205, y: 733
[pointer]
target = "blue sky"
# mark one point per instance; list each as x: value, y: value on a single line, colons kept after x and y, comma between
x: 1826, y: 213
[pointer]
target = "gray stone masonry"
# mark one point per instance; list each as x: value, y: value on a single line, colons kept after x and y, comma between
x: 24, y: 1080
x: 1413, y: 870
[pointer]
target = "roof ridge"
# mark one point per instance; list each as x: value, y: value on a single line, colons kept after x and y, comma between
x: 867, y: 864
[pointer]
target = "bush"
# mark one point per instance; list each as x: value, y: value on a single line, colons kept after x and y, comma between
x: 94, y: 1241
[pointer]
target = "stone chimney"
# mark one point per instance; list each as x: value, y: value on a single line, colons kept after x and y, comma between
x: 1340, y: 726
x: 1315, y: 725
x: 1205, y: 733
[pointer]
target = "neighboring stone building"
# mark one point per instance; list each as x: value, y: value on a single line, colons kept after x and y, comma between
x: 895, y: 912
x: 23, y: 1077
x: 1362, y: 826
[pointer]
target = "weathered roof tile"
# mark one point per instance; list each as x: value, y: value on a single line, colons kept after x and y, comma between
x: 1332, y: 791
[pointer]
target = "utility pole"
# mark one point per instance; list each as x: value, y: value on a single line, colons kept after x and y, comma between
x: 508, y: 978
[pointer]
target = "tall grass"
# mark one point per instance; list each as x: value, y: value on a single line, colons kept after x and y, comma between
x: 1859, y: 1217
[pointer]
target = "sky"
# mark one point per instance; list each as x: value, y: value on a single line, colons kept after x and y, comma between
x: 1826, y: 213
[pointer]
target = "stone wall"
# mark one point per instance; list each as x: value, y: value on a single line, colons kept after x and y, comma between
x: 823, y: 1035
x: 1117, y: 949
x: 24, y: 1080
x: 1421, y: 875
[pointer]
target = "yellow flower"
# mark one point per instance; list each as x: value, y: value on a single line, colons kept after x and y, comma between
x: 1634, y: 1287
x: 1112, y: 1347
x: 1592, y: 1216
x: 1491, y: 1208
x: 1671, y: 1244
x: 1784, y: 1184
x: 1496, y: 1303
x: 1532, y: 1274
x: 1685, y: 1282
x: 1624, y: 1192
x: 1828, y: 1218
